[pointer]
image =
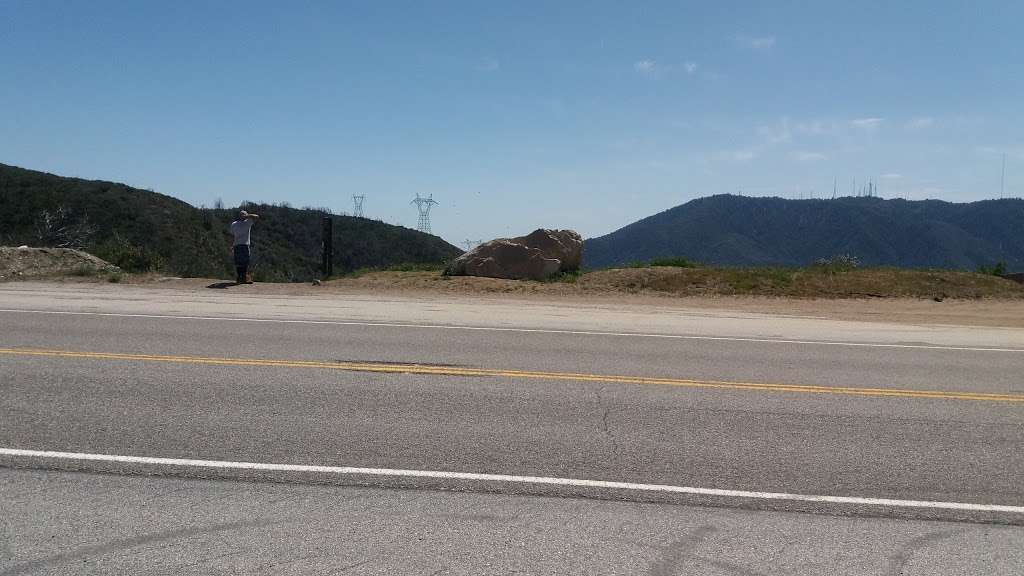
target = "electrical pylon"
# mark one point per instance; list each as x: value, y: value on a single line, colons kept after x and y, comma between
x: 424, y: 205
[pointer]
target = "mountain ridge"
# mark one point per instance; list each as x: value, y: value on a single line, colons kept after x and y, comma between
x: 734, y: 230
x: 145, y: 230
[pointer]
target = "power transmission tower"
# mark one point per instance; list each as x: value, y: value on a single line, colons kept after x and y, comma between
x: 358, y: 202
x: 470, y: 244
x: 424, y: 205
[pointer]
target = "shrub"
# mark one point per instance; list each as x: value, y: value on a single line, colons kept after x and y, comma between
x: 998, y: 269
x: 127, y: 256
x: 675, y: 262
x: 668, y: 262
x: 837, y: 263
x: 417, y: 267
x: 567, y: 277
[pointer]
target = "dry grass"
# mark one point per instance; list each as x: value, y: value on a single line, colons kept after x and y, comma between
x: 771, y: 282
x: 808, y: 283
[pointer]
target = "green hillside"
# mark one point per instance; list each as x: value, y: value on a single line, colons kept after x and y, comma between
x: 143, y: 230
x: 743, y: 231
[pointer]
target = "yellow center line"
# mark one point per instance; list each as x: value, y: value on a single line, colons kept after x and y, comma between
x: 525, y: 374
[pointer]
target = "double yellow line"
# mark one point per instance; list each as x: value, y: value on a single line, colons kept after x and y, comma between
x: 438, y: 370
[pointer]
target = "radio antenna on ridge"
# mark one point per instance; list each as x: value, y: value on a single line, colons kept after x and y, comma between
x: 1002, y: 178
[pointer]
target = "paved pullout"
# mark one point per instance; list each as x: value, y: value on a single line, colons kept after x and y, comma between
x: 773, y: 412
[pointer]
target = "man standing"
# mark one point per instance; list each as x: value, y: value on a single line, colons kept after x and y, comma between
x: 240, y: 230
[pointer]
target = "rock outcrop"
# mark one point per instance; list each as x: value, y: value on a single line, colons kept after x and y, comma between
x: 539, y: 255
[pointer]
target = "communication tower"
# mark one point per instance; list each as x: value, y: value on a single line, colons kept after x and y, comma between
x: 1002, y: 178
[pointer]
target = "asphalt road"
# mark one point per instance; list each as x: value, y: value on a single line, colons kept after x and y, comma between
x: 71, y: 523
x: 625, y: 436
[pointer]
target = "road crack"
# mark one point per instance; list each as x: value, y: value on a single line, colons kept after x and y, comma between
x: 898, y: 561
x: 604, y: 425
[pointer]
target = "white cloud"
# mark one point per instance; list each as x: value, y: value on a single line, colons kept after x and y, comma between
x: 644, y: 66
x: 691, y: 67
x: 891, y: 176
x: 920, y: 123
x: 779, y: 133
x: 866, y: 123
x: 743, y: 155
x: 488, y: 65
x: 816, y: 127
x: 809, y: 156
x: 758, y: 43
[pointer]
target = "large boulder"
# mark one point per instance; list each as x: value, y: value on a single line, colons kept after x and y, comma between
x: 536, y: 256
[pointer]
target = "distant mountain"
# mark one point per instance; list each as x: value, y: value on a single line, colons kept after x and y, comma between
x: 141, y: 230
x: 743, y: 231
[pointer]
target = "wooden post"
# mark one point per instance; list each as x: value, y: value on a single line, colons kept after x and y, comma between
x: 328, y: 245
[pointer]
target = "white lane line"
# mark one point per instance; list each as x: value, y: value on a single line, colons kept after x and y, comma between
x: 527, y: 330
x: 543, y: 480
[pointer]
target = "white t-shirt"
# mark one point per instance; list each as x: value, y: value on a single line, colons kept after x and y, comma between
x: 240, y: 230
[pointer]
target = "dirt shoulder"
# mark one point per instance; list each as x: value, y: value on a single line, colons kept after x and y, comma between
x: 992, y: 312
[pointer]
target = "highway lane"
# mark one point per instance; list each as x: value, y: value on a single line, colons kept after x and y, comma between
x: 924, y: 449
x: 278, y: 393
x: 152, y: 525
x: 758, y: 440
x: 940, y: 368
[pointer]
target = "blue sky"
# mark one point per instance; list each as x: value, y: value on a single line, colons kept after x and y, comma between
x: 516, y: 115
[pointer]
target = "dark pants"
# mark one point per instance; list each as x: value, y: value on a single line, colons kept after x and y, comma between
x: 242, y: 261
